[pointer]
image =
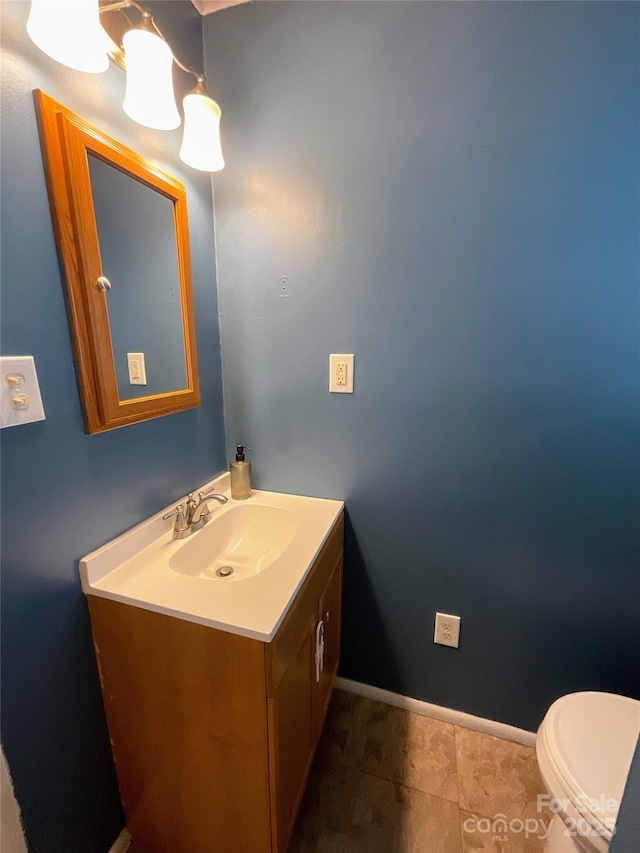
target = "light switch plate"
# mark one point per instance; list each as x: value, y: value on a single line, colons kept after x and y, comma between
x: 19, y: 385
x: 341, y: 373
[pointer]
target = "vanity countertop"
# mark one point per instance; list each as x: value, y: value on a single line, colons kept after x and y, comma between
x: 135, y: 568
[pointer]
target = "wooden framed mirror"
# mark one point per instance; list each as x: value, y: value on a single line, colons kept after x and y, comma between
x: 123, y: 237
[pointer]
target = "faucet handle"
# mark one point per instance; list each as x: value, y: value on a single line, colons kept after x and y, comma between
x: 181, y: 526
x: 179, y: 509
x: 192, y: 505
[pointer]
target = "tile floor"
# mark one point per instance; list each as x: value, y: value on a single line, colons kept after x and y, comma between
x: 390, y: 781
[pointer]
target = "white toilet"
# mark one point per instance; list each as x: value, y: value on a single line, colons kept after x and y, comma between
x: 585, y: 745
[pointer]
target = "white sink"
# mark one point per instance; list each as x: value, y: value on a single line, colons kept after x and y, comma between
x: 270, y: 542
x: 237, y: 544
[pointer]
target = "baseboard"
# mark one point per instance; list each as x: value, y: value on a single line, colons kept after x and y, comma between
x: 438, y: 712
x: 122, y: 842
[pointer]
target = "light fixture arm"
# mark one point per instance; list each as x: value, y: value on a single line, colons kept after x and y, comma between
x: 118, y: 5
x: 148, y: 20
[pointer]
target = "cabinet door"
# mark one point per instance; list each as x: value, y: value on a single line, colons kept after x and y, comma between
x: 291, y: 736
x: 186, y: 709
x: 330, y: 612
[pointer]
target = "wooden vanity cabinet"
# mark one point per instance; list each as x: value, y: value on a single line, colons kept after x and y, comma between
x: 213, y: 734
x: 299, y: 690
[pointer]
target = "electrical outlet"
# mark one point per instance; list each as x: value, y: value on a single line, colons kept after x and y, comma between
x: 341, y: 373
x: 137, y: 370
x: 447, y: 630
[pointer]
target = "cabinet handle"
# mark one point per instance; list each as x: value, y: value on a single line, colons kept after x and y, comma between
x: 319, y: 653
x: 327, y: 616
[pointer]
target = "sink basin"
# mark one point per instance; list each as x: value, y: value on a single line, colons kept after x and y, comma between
x: 243, y: 541
x: 268, y: 541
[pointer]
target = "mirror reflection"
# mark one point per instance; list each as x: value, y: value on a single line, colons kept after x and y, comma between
x: 136, y: 234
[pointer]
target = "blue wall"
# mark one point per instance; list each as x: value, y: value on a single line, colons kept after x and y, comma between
x: 451, y: 190
x: 65, y: 493
x: 627, y: 837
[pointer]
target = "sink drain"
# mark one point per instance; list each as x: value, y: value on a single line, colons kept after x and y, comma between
x: 224, y: 571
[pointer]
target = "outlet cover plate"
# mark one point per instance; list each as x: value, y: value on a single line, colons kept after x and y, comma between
x: 447, y: 630
x: 341, y: 373
x: 137, y: 368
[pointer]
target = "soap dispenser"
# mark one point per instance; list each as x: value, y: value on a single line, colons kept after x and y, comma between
x: 240, y: 475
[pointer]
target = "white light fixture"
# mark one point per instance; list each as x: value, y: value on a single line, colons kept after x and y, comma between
x: 149, y: 97
x: 201, y: 148
x: 69, y: 31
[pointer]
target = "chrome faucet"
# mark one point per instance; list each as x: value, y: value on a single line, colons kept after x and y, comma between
x: 197, y: 510
x: 194, y: 514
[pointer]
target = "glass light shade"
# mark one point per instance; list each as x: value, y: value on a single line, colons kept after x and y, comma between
x: 149, y: 97
x: 69, y: 31
x: 201, y: 148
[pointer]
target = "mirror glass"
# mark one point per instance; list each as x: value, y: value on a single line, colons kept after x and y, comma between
x: 136, y: 233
